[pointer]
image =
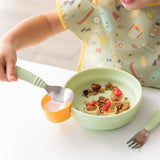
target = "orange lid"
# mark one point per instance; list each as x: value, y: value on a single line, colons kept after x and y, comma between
x: 56, y: 116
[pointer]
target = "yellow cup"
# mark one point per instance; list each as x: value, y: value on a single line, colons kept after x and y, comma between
x: 57, y: 116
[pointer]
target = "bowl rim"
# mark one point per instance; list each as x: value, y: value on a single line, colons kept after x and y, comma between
x: 114, y: 70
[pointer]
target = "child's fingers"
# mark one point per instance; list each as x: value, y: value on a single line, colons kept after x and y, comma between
x: 11, y: 71
x: 3, y: 76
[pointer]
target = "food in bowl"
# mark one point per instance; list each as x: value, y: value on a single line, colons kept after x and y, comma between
x: 105, y: 106
x: 125, y: 81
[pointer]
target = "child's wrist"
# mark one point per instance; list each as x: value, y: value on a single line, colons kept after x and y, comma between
x: 8, y: 40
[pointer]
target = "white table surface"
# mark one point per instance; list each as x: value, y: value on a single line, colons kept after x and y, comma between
x: 26, y: 134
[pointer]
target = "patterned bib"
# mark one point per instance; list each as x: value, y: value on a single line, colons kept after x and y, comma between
x: 113, y: 36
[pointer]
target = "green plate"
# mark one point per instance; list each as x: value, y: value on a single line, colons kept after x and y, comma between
x: 128, y: 84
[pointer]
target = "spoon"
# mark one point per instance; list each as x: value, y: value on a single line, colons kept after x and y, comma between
x: 56, y: 93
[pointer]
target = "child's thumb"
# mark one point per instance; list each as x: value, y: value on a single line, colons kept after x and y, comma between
x: 11, y: 72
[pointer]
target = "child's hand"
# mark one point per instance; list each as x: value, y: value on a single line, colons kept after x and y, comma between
x: 7, y: 61
x: 27, y: 33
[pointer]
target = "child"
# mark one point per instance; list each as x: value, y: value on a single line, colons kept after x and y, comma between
x: 124, y: 34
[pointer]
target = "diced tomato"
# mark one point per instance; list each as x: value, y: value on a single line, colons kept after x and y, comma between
x: 91, y: 103
x: 118, y: 92
x: 106, y: 106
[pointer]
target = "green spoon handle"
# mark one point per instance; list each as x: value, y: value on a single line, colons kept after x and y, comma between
x: 28, y: 76
x: 153, y: 121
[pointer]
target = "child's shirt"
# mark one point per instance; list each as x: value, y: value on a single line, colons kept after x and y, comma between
x: 113, y: 36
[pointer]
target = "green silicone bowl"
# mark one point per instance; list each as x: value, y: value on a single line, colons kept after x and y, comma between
x: 129, y: 85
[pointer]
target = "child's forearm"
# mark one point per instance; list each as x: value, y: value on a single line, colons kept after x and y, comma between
x: 34, y: 30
